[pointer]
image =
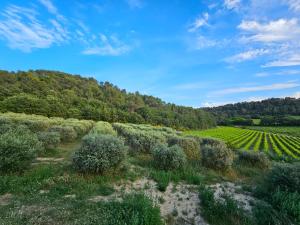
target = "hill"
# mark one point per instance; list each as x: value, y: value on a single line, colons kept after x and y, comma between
x: 274, y: 107
x: 58, y: 94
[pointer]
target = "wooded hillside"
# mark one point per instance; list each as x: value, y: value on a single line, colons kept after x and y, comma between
x: 57, y: 94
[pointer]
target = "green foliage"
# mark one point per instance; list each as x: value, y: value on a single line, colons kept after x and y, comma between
x: 189, y: 174
x: 67, y: 133
x: 99, y: 153
x: 281, y: 191
x: 141, y: 138
x: 57, y: 94
x: 222, y: 212
x: 103, y: 128
x: 275, y: 107
x: 264, y: 214
x: 285, y: 177
x: 18, y: 148
x: 50, y: 140
x: 276, y: 146
x: 217, y: 156
x: 254, y: 159
x: 190, y: 146
x: 168, y: 158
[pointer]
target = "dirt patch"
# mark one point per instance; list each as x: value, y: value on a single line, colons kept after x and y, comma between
x: 49, y: 159
x: 233, y: 190
x: 179, y: 202
x: 5, y: 199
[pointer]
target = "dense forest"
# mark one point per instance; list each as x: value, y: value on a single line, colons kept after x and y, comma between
x: 57, y: 94
x: 274, y: 111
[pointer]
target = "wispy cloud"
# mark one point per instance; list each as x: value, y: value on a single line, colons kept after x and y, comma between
x: 271, y: 87
x: 135, y: 3
x: 49, y: 5
x: 273, y: 31
x: 293, y: 4
x: 109, y: 46
x: 291, y: 60
x: 199, y: 22
x: 201, y: 42
x: 248, y: 55
x: 232, y: 4
x: 22, y: 30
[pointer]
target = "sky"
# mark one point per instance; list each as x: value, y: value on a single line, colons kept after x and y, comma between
x: 198, y: 53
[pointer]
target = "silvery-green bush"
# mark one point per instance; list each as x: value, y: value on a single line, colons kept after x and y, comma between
x: 67, y: 133
x: 190, y: 146
x: 99, y: 153
x: 168, y: 158
x: 102, y: 127
x: 254, y: 159
x: 18, y: 148
x: 49, y: 139
x: 217, y: 156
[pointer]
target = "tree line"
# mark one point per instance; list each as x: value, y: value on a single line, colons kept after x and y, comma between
x: 58, y: 94
x: 274, y: 111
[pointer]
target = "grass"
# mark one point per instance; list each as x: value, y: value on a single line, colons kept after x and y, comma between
x: 246, y: 139
x: 292, y: 131
x: 222, y: 212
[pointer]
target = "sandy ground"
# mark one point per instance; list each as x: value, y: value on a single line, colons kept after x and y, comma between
x: 178, y: 203
x: 232, y: 190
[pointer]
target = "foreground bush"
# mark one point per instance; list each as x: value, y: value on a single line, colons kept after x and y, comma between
x: 99, y: 153
x: 224, y: 211
x: 50, y: 140
x: 18, y: 147
x: 281, y: 190
x: 103, y: 128
x: 67, y: 133
x: 168, y: 158
x: 254, y: 159
x: 189, y: 145
x: 217, y: 156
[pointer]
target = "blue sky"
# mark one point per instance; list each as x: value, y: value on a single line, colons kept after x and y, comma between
x: 189, y: 52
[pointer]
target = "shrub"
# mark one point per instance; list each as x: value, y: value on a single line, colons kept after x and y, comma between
x: 189, y: 145
x: 18, y: 148
x: 264, y: 214
x: 225, y: 211
x: 50, y: 140
x: 217, y: 156
x: 210, y: 141
x: 66, y: 133
x: 285, y: 177
x: 254, y: 159
x: 99, y: 153
x: 168, y: 158
x: 103, y: 128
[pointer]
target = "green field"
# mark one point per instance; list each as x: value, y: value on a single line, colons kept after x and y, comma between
x: 292, y: 131
x: 273, y: 144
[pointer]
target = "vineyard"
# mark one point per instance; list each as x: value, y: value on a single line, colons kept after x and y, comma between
x: 292, y: 131
x: 275, y: 145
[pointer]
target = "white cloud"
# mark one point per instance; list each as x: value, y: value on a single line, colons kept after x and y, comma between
x: 248, y: 55
x: 135, y: 3
x: 232, y: 4
x: 203, y: 42
x: 291, y: 60
x: 293, y: 4
x: 110, y: 46
x: 199, y: 22
x: 49, y: 5
x: 282, y: 73
x: 271, y: 87
x: 22, y: 30
x: 273, y: 31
